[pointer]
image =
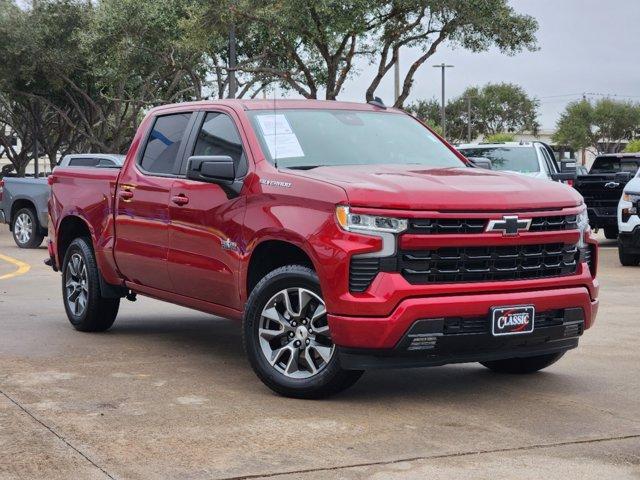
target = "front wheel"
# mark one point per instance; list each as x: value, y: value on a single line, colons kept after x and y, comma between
x: 86, y: 309
x: 286, y: 336
x: 627, y: 259
x: 523, y: 365
x: 26, y: 229
x: 611, y: 233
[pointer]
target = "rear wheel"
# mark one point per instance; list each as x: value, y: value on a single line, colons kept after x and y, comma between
x: 611, y: 233
x: 26, y: 229
x: 627, y: 259
x: 286, y: 336
x: 523, y: 365
x: 86, y: 309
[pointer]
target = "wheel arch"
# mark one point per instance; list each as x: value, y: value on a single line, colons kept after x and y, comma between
x: 70, y: 228
x: 17, y: 205
x: 270, y: 253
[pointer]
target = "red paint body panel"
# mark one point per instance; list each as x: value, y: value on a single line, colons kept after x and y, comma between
x: 175, y: 250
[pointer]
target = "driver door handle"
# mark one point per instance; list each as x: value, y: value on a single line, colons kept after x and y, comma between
x: 180, y: 199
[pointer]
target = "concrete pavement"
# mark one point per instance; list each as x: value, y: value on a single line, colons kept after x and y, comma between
x: 167, y: 393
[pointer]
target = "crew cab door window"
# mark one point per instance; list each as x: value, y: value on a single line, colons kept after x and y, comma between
x: 219, y: 136
x: 161, y: 154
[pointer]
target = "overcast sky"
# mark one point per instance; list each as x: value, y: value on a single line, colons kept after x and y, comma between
x: 585, y: 46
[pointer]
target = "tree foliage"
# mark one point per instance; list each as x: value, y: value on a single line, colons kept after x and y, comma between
x: 77, y: 75
x: 495, y: 108
x: 600, y: 126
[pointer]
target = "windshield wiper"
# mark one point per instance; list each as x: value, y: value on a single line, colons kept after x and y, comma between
x: 303, y: 167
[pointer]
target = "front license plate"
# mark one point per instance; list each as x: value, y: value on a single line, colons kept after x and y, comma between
x: 512, y: 320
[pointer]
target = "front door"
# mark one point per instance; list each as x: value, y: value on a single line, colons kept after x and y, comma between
x: 142, y: 204
x: 206, y: 220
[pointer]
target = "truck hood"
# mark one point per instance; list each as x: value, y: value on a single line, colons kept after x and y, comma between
x: 413, y: 187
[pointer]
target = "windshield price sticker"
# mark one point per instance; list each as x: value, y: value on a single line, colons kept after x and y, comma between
x: 279, y: 137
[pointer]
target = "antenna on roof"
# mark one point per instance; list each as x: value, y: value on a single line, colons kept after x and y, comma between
x: 377, y: 102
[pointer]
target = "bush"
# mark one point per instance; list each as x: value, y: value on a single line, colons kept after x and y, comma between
x: 633, y: 146
x: 500, y: 138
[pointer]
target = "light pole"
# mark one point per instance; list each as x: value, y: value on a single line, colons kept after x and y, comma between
x: 396, y: 79
x: 443, y: 113
x: 469, y: 119
x: 233, y: 61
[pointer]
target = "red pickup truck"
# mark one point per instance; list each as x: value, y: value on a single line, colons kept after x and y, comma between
x: 345, y: 237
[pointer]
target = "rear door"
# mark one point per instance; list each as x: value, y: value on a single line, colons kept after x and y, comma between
x: 142, y: 202
x: 206, y: 219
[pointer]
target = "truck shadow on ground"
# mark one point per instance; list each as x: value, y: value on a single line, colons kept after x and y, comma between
x: 219, y: 341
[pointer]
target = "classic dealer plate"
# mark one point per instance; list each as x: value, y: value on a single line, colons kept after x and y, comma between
x: 512, y: 320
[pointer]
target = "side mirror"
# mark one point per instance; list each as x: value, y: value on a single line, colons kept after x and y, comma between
x: 211, y: 169
x: 568, y: 166
x: 481, y: 162
x: 623, y: 177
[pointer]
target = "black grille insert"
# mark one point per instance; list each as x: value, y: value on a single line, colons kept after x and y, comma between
x: 362, y: 272
x: 482, y: 264
x: 454, y: 326
x: 478, y: 225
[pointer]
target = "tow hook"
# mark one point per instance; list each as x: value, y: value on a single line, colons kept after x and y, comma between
x: 132, y: 297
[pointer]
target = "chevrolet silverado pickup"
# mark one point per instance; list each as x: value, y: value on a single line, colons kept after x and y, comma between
x: 343, y: 236
x: 603, y: 186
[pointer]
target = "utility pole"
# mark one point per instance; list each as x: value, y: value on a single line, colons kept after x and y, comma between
x: 469, y: 139
x: 233, y: 62
x: 443, y: 112
x: 36, y: 147
x: 396, y: 78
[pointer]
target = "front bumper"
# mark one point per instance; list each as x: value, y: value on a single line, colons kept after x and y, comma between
x: 630, y: 241
x: 386, y: 332
x: 603, y: 217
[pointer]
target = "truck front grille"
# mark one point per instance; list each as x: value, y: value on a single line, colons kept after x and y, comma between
x: 478, y: 225
x: 485, y: 264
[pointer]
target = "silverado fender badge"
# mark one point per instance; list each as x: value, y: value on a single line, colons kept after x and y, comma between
x: 275, y: 183
x: 510, y: 226
x: 228, y: 244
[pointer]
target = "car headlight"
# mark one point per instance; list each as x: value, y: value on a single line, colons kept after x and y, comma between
x: 368, y: 223
x: 385, y: 228
x: 582, y: 221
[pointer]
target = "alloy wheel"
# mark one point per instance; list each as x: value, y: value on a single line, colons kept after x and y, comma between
x: 76, y: 285
x: 294, y: 333
x: 23, y: 228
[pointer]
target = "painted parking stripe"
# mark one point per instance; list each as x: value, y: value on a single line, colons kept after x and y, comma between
x: 21, y: 269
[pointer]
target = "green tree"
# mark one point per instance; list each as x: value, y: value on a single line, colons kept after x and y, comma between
x: 313, y: 46
x: 599, y: 126
x: 495, y: 108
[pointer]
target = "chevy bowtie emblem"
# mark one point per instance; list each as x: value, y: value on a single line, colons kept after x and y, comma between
x: 510, y: 226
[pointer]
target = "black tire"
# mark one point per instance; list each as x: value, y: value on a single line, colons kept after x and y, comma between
x: 98, y: 313
x: 611, y: 233
x: 523, y: 365
x: 627, y: 259
x: 330, y: 379
x: 26, y: 229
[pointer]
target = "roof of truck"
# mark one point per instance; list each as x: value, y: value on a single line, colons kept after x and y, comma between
x: 275, y: 104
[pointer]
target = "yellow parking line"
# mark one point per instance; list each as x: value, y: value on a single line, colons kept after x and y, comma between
x: 21, y: 270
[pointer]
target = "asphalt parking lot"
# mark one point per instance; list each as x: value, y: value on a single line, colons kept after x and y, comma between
x: 167, y: 393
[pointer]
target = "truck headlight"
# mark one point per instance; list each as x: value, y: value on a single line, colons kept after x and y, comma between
x: 634, y: 199
x: 386, y: 228
x: 582, y: 220
x: 368, y: 223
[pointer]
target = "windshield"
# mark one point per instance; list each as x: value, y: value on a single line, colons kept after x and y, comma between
x: 515, y: 159
x: 312, y: 138
x: 614, y: 165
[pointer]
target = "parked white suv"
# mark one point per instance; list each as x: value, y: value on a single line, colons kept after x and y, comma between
x: 534, y: 159
x: 629, y: 223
